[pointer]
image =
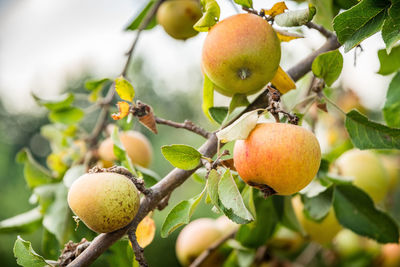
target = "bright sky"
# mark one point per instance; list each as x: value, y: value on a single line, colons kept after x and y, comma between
x: 43, y: 43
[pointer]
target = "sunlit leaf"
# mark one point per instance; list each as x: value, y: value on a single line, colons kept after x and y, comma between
x: 180, y: 214
x: 328, y: 66
x: 124, y: 89
x: 208, y: 96
x: 68, y: 115
x: 210, y: 16
x: 244, y: 3
x: 295, y: 17
x: 60, y: 102
x: 134, y: 25
x: 25, y: 254
x: 389, y: 62
x: 240, y: 129
x: 95, y: 86
x: 277, y: 8
x: 282, y: 81
x: 182, y: 156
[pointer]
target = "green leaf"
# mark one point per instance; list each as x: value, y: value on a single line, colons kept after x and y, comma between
x: 95, y: 86
x: 258, y: 232
x: 355, y: 210
x: 34, y: 173
x: 25, y: 254
x: 22, y: 223
x: 238, y: 100
x: 389, y: 62
x: 182, y: 156
x: 218, y: 114
x: 295, y: 17
x: 73, y: 173
x: 50, y: 246
x: 124, y: 89
x: 324, y: 14
x: 180, y: 214
x: 58, y: 218
x: 360, y: 22
x: 391, y: 26
x: 68, y: 115
x: 232, y: 201
x: 134, y: 25
x: 61, y: 102
x: 121, y: 254
x: 391, y: 110
x: 212, y: 187
x: 44, y: 195
x: 240, y: 129
x: 328, y: 66
x: 210, y: 16
x: 208, y: 96
x: 366, y: 134
x: 318, y: 207
x: 244, y: 3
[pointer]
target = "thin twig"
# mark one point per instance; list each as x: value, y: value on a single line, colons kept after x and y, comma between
x: 187, y: 124
x: 327, y: 99
x: 137, y: 249
x: 208, y: 252
x: 164, y: 202
x: 322, y: 30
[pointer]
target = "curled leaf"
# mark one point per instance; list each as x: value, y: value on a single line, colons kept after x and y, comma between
x: 296, y: 17
x: 123, y: 110
x: 240, y: 129
x: 276, y: 9
x: 210, y: 16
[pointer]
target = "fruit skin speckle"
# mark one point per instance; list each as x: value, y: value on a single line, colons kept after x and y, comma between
x: 104, y: 201
x: 282, y: 156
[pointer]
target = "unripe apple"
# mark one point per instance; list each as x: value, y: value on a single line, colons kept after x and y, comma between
x: 137, y: 147
x: 145, y: 231
x: 367, y: 171
x: 104, y: 201
x: 321, y: 232
x: 391, y: 255
x: 196, y: 237
x: 177, y: 17
x: 241, y: 54
x: 284, y: 157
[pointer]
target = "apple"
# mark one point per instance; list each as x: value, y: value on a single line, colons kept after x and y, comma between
x: 348, y: 243
x: 391, y: 255
x: 367, y: 170
x: 321, y: 232
x: 177, y: 17
x: 241, y: 54
x: 104, y: 201
x: 137, y: 147
x: 283, y: 157
x: 196, y: 237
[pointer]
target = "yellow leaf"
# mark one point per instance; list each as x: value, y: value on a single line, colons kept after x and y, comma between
x: 285, y: 36
x: 123, y: 110
x: 276, y: 9
x: 282, y: 81
x: 208, y: 96
x: 124, y: 89
x: 145, y: 231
